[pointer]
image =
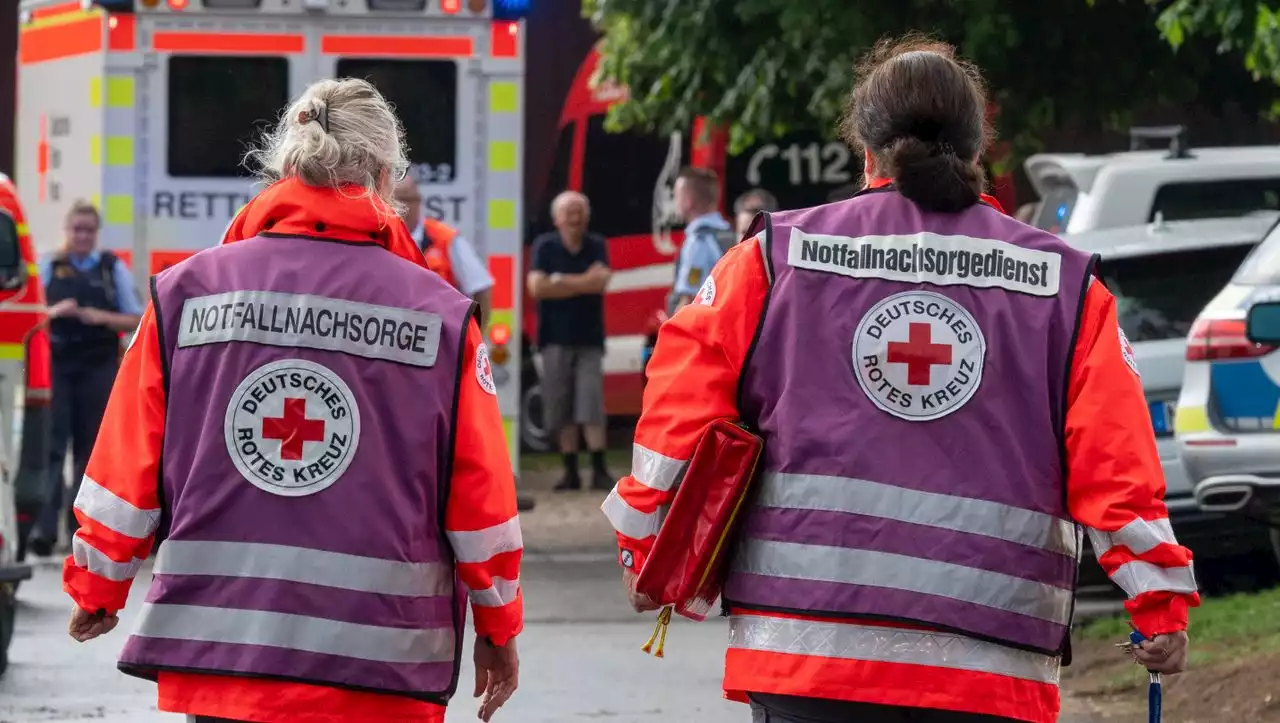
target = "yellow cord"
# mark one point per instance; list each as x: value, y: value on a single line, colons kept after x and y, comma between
x: 659, y: 633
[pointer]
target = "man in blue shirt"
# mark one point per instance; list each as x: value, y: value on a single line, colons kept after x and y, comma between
x: 707, y: 234
x: 92, y: 300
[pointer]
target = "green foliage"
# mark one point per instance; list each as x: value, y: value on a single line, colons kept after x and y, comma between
x: 1221, y: 627
x: 1247, y: 27
x: 768, y: 67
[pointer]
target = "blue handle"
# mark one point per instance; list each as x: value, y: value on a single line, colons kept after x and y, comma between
x: 1155, y: 700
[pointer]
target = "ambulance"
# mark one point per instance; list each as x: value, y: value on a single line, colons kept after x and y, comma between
x: 147, y: 107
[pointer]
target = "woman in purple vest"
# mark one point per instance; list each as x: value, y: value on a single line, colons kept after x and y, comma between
x: 945, y: 399
x: 306, y: 424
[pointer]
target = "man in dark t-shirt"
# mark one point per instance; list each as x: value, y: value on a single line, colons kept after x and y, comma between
x: 568, y: 275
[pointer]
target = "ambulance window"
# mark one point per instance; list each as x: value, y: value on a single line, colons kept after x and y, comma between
x: 619, y: 173
x: 425, y: 96
x: 218, y: 109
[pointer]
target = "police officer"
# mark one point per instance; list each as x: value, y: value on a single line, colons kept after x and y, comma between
x: 92, y: 301
x: 707, y: 234
x: 748, y: 206
x: 945, y: 398
x: 448, y: 253
x: 307, y: 425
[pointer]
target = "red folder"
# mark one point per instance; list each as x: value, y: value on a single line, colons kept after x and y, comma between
x: 685, y: 569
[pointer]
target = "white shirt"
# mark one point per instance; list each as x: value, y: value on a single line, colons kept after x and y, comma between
x: 472, y: 274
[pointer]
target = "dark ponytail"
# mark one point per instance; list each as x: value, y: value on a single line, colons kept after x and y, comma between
x: 922, y: 115
x: 932, y: 175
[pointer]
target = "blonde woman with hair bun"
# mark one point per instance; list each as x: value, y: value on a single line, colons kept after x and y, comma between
x: 308, y: 419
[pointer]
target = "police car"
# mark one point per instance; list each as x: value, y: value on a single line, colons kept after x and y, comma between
x: 1228, y: 415
x: 1081, y: 192
x: 1162, y: 275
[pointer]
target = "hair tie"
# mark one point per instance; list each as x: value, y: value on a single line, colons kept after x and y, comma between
x: 319, y: 115
x: 945, y: 149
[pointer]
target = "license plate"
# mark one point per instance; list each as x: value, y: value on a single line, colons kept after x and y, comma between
x: 1162, y: 417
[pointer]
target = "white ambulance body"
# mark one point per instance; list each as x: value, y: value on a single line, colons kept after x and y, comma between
x: 146, y: 107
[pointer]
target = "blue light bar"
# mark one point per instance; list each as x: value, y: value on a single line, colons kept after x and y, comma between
x: 511, y: 9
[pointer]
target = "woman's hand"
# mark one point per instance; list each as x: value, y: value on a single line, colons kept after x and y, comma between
x: 639, y: 601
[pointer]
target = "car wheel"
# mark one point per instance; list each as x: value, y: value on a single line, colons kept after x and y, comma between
x: 533, y: 429
x: 8, y: 612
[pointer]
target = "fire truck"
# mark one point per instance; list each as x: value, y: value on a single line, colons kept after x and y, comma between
x: 146, y: 108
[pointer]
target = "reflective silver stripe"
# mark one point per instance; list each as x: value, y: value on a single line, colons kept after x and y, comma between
x: 96, y: 561
x: 1138, y: 577
x: 848, y: 641
x: 103, y: 506
x: 655, y: 470
x: 1139, y: 536
x: 298, y: 564
x: 296, y: 632
x: 763, y: 243
x: 481, y: 545
x: 500, y: 593
x: 900, y: 572
x: 961, y: 514
x: 312, y: 322
x: 628, y: 520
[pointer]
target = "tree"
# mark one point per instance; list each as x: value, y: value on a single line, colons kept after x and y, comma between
x: 768, y: 67
x: 1249, y: 27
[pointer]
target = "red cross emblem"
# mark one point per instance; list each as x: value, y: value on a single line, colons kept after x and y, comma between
x: 293, y: 429
x: 919, y: 353
x: 485, y: 368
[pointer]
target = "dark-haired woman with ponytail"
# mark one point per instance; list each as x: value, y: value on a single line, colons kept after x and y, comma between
x: 946, y: 401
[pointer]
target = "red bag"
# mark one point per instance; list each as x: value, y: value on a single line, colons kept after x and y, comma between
x: 685, y: 569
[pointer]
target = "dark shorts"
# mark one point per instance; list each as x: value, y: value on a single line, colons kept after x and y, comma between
x: 793, y: 709
x: 572, y: 386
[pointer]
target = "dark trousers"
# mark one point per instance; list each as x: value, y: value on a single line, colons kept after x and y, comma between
x: 792, y: 709
x: 81, y: 388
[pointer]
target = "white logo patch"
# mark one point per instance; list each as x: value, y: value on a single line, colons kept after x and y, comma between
x: 929, y: 258
x: 292, y: 427
x: 1126, y: 349
x: 707, y: 293
x: 627, y: 559
x: 484, y: 369
x: 919, y: 355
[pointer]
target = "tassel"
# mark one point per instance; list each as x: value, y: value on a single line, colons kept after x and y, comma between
x: 659, y: 633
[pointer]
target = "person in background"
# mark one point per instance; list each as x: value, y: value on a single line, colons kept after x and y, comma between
x: 454, y: 259
x: 568, y: 276
x: 448, y: 253
x: 748, y: 205
x: 92, y: 300
x: 909, y: 552
x: 325, y: 495
x: 707, y: 235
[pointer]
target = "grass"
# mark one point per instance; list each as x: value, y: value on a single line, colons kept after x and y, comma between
x: 619, y: 461
x: 1221, y: 627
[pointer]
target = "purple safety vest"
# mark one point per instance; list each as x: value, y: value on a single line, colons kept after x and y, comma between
x: 312, y: 390
x: 909, y: 381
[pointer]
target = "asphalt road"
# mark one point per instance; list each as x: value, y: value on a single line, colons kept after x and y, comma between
x: 580, y: 659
